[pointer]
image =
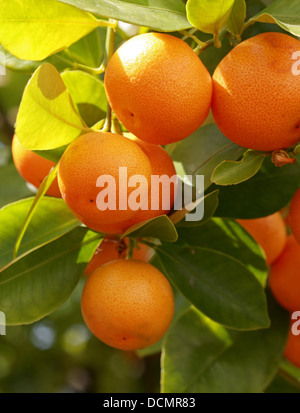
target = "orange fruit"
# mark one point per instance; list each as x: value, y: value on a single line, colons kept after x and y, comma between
x: 158, y: 88
x: 95, y: 155
x: 285, y: 276
x: 111, y: 249
x: 269, y: 232
x: 294, y: 216
x: 161, y: 164
x: 127, y: 304
x: 33, y: 167
x: 292, y: 349
x: 256, y: 96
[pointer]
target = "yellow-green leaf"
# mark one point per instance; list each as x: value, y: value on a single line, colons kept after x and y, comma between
x: 209, y: 16
x: 35, y: 29
x: 47, y: 118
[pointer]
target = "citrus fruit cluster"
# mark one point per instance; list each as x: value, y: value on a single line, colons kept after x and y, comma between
x: 283, y: 256
x: 161, y: 92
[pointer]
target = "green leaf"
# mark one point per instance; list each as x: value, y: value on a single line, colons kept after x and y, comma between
x: 47, y: 111
x: 228, y: 237
x: 202, y: 151
x: 235, y: 172
x: 59, y: 60
x: 43, y: 188
x: 209, y: 16
x: 88, y: 95
x: 235, y: 23
x: 53, y: 155
x: 87, y: 51
x: 285, y: 13
x: 218, y: 284
x: 267, y: 192
x: 52, y: 218
x: 159, y: 227
x: 213, y: 359
x: 165, y: 15
x: 38, y: 282
x: 35, y: 29
x: 210, y: 201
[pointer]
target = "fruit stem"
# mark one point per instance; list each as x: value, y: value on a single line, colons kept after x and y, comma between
x: 115, y: 126
x: 188, y: 33
x: 198, y: 49
x: 217, y: 42
x: 112, y: 24
x: 129, y: 254
x: 195, y: 38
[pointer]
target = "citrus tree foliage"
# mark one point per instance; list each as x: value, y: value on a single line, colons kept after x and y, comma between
x: 229, y: 335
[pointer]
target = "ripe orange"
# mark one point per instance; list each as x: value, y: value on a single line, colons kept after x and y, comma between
x: 112, y: 249
x: 127, y: 304
x: 100, y: 154
x: 256, y: 96
x: 292, y: 349
x: 158, y: 88
x: 285, y: 276
x: 161, y: 164
x: 294, y: 215
x: 269, y: 232
x: 33, y: 167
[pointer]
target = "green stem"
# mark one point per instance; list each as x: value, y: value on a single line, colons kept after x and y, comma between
x: 200, y: 48
x: 188, y: 33
x: 195, y: 38
x: 110, y: 23
x: 129, y: 254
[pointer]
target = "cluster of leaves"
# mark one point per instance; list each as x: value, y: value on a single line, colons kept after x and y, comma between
x: 224, y: 323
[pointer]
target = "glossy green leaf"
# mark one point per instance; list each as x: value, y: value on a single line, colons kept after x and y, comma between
x: 210, y: 201
x: 285, y: 13
x: 43, y: 188
x: 47, y: 112
x: 228, y: 237
x: 267, y: 192
x: 35, y: 29
x: 165, y: 15
x: 213, y: 359
x: 38, y: 282
x: 235, y: 172
x: 52, y: 218
x: 160, y: 227
x: 235, y: 23
x: 234, y: 297
x: 88, y: 95
x: 202, y: 151
x: 209, y: 16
